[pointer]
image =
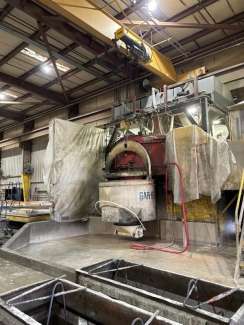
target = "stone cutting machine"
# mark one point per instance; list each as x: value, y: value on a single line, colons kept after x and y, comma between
x: 134, y: 166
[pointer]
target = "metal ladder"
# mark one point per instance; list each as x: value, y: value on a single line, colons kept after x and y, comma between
x: 239, y: 223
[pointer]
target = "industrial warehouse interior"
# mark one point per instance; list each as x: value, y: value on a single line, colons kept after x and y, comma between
x: 122, y: 162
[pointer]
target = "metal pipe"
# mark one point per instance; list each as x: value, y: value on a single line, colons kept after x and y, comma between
x: 118, y: 269
x: 51, y: 301
x: 100, y: 266
x: 44, y: 36
x: 59, y: 294
x: 43, y: 285
x: 148, y: 322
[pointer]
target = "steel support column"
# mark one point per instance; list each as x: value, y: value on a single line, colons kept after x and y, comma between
x: 73, y: 111
x: 204, y: 111
x: 27, y: 148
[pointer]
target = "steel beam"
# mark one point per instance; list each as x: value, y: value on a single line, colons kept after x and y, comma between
x: 33, y: 39
x: 37, y: 67
x: 37, y: 105
x: 20, y: 47
x: 192, y: 10
x: 137, y: 5
x: 6, y: 10
x: 65, y: 75
x: 52, y: 59
x: 189, y: 11
x: 36, y: 35
x: 60, y: 25
x: 211, y: 48
x: 88, y: 17
x: 87, y: 96
x: 10, y: 29
x: 104, y: 77
x: 107, y: 89
x: 11, y: 115
x: 21, y: 98
x: 195, y: 36
x: 12, y: 53
x: 170, y: 24
x: 27, y: 86
x: 87, y: 84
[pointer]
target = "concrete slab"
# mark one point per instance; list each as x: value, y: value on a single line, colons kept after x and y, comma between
x: 207, y: 263
x: 13, y: 276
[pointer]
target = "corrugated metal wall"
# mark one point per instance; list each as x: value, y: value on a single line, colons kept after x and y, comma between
x: 38, y: 190
x: 11, y: 163
x: 11, y: 166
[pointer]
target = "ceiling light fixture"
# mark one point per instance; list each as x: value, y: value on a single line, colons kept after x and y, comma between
x: 2, y: 96
x: 62, y: 67
x: 33, y: 54
x: 10, y: 94
x: 152, y: 5
x: 41, y: 58
x: 46, y: 68
x: 5, y: 94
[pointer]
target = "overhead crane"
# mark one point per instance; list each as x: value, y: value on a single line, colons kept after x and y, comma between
x: 85, y: 14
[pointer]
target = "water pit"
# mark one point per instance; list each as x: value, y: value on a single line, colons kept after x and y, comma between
x: 61, y: 302
x: 177, y: 297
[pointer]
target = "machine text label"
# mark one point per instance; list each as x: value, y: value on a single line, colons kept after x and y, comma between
x: 146, y: 196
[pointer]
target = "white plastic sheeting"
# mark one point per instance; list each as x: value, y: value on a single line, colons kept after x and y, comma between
x: 73, y: 168
x: 11, y: 166
x: 205, y: 163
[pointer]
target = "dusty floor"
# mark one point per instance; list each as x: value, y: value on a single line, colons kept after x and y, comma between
x: 212, y: 264
x: 13, y: 276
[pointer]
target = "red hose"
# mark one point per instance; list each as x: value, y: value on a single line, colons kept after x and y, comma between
x: 184, y: 219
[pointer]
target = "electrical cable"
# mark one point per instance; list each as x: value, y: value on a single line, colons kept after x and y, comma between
x: 138, y: 246
x: 113, y: 204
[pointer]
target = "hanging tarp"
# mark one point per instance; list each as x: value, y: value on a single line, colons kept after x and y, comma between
x: 73, y: 168
x: 205, y: 163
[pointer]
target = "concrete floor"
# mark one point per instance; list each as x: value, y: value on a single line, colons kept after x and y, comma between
x: 13, y: 276
x: 212, y: 264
